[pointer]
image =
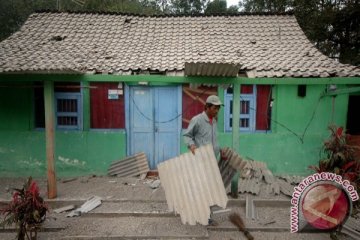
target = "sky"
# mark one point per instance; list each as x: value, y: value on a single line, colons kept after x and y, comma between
x: 232, y: 2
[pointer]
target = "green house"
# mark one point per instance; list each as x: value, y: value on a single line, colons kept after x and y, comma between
x: 87, y: 89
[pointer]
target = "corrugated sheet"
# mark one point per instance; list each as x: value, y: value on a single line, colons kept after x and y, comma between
x: 229, y: 166
x: 130, y: 166
x: 352, y: 228
x: 211, y: 69
x: 192, y: 184
x: 89, y: 205
x: 249, y: 185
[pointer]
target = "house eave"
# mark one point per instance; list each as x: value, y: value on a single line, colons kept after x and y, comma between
x: 175, y: 79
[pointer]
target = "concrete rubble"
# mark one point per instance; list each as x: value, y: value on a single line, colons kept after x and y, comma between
x: 255, y: 176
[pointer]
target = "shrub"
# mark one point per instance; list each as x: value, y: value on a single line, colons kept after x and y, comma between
x: 26, y: 209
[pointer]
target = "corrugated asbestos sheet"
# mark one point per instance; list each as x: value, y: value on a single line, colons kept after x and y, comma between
x: 229, y: 166
x: 130, y: 166
x: 192, y: 184
x: 211, y: 69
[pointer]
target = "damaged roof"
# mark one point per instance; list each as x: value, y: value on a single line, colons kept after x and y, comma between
x: 258, y: 45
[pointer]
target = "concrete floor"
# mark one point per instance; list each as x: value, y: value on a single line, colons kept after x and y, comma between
x: 132, y: 210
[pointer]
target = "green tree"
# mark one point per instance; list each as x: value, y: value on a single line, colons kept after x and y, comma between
x: 233, y: 9
x: 13, y: 13
x: 220, y: 6
x: 216, y: 6
x: 188, y: 6
x: 265, y: 5
x: 332, y: 25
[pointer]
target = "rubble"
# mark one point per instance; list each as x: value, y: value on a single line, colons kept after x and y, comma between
x: 64, y: 209
x: 155, y: 184
x: 89, y: 205
x: 255, y: 176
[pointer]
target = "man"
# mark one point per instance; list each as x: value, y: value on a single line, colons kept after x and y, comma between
x: 202, y: 130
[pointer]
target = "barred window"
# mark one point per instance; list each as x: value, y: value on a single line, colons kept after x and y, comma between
x: 67, y: 110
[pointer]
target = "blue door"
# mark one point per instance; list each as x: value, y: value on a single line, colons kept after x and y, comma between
x: 154, y: 122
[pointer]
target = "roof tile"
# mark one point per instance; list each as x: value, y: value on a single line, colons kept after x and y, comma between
x: 262, y: 45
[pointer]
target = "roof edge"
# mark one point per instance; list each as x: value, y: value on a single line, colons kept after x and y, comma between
x: 169, y: 15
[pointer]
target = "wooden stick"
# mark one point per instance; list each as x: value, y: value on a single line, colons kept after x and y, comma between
x: 239, y: 223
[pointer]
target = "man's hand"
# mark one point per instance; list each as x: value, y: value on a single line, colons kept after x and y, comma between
x: 223, y: 155
x: 192, y: 148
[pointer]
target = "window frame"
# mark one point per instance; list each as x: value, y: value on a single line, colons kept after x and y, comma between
x: 78, y: 114
x: 228, y: 97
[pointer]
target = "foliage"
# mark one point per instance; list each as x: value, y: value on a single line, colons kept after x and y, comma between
x: 220, y: 6
x: 266, y: 5
x: 27, y: 210
x: 188, y: 6
x: 332, y: 25
x: 340, y: 157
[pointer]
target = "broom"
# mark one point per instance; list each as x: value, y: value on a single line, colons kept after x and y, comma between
x: 239, y: 223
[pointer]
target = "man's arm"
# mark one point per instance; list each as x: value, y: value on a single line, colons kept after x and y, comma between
x: 189, y: 135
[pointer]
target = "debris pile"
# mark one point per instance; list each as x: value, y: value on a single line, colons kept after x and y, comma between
x: 255, y: 176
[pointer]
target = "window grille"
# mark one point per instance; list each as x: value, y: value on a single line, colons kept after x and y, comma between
x: 68, y: 110
x: 247, y: 110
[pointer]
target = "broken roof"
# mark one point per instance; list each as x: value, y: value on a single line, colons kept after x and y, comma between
x: 258, y: 45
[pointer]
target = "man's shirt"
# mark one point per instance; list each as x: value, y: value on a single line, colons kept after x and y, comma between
x: 201, y: 132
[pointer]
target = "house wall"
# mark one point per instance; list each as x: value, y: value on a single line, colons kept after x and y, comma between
x: 286, y: 148
x: 22, y: 148
x: 299, y: 126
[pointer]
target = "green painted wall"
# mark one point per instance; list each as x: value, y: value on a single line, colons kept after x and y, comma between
x: 290, y: 151
x: 22, y: 153
x: 22, y: 149
x: 16, y: 107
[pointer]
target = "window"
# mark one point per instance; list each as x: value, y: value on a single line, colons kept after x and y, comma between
x: 247, y: 111
x: 255, y: 111
x: 67, y: 110
x: 68, y: 105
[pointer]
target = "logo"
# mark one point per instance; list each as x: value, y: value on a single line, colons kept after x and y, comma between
x: 321, y: 202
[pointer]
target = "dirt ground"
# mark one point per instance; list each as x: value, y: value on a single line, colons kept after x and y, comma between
x: 130, y: 209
